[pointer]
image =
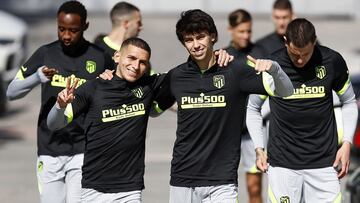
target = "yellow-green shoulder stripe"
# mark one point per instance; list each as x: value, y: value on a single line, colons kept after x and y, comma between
x: 111, y: 44
x: 69, y: 113
x: 20, y: 75
x: 344, y: 88
x: 263, y: 97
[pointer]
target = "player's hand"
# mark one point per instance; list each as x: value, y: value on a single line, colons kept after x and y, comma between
x: 49, y: 72
x: 107, y: 74
x: 261, y: 65
x: 342, y: 160
x: 261, y: 160
x: 67, y: 95
x: 223, y: 58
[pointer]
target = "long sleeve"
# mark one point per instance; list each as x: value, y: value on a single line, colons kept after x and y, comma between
x: 349, y: 108
x: 254, y: 120
x: 279, y: 84
x: 20, y: 87
x: 57, y: 117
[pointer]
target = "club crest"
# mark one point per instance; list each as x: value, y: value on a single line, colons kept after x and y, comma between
x: 138, y: 92
x: 284, y: 199
x: 320, y: 72
x: 219, y: 81
x: 90, y: 66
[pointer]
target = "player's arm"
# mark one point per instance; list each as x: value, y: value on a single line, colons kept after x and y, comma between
x: 343, y: 88
x: 61, y: 113
x: 254, y: 123
x: 29, y: 75
x: 164, y: 97
x: 274, y: 79
x: 348, y: 108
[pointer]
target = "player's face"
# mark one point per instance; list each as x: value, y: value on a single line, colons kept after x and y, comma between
x: 241, y: 35
x: 199, y: 45
x: 300, y: 56
x: 132, y: 63
x: 134, y: 25
x: 281, y: 18
x: 70, y: 28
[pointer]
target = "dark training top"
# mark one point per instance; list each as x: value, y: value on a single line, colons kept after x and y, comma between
x: 117, y: 113
x: 253, y: 50
x: 271, y: 43
x: 105, y: 45
x: 303, y: 133
x: 211, y: 112
x: 85, y: 62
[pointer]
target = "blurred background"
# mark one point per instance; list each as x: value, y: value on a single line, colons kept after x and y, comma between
x: 28, y: 24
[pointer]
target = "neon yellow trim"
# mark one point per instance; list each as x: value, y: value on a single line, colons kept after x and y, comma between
x: 20, y: 75
x: 205, y: 105
x: 253, y: 170
x: 39, y: 170
x: 156, y: 107
x: 263, y: 97
x: 271, y: 195
x: 339, y: 124
x: 152, y: 72
x: 305, y: 96
x: 265, y: 77
x: 120, y: 117
x: 111, y: 44
x: 345, y: 87
x: 69, y: 113
x: 338, y: 198
x: 250, y: 63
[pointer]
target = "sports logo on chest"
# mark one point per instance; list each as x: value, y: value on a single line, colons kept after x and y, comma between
x: 90, y: 66
x: 138, y: 92
x: 219, y: 81
x: 320, y: 72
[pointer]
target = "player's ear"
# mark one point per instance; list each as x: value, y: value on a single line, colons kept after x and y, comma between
x: 116, y: 56
x: 86, y: 26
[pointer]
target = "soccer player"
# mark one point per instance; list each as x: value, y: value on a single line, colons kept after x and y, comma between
x: 305, y: 160
x: 240, y: 28
x: 282, y: 14
x: 211, y: 109
x: 60, y: 153
x: 117, y: 112
x: 126, y: 23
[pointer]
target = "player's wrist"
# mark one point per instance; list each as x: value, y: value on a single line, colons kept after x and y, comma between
x: 259, y: 149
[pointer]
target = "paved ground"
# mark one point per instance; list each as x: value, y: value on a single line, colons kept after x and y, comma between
x: 18, y: 131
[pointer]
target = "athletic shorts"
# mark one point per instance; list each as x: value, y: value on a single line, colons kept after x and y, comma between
x: 308, y: 185
x: 208, y: 194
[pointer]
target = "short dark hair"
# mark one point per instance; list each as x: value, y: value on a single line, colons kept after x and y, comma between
x: 138, y: 42
x: 239, y: 16
x: 282, y: 5
x: 300, y: 32
x: 121, y: 9
x: 74, y: 7
x: 195, y: 21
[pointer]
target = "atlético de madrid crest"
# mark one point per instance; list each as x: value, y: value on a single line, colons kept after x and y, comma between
x: 320, y: 72
x: 90, y: 66
x: 138, y: 92
x: 219, y: 81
